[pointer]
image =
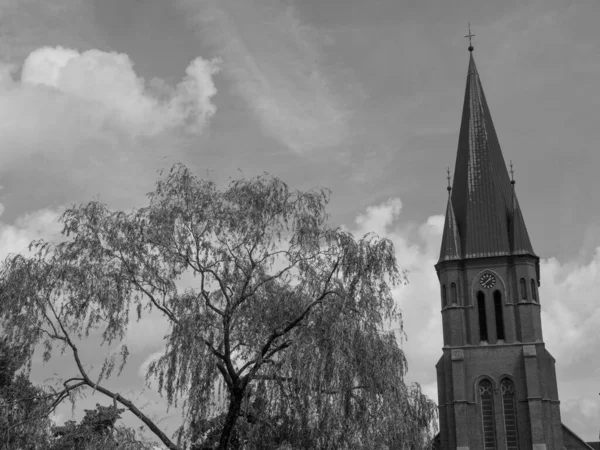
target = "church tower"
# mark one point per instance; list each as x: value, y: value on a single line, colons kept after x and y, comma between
x: 496, y: 380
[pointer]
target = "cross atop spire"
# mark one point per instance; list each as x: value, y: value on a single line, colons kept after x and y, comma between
x: 470, y: 35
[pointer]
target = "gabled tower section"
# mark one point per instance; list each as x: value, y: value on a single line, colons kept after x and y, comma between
x: 496, y: 381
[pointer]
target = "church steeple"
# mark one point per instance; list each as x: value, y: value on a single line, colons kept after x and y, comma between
x: 487, y: 217
x: 496, y: 381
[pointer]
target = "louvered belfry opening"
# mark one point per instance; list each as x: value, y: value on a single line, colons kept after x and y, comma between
x: 510, y: 414
x: 533, y: 291
x: 487, y: 415
x: 483, y: 333
x: 499, y: 316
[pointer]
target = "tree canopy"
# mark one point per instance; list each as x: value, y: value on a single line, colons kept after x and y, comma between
x: 283, y: 341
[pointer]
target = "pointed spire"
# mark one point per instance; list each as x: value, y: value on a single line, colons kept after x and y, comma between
x: 520, y: 243
x: 450, y: 238
x: 483, y: 209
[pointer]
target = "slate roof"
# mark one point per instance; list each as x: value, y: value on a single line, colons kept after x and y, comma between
x: 483, y: 217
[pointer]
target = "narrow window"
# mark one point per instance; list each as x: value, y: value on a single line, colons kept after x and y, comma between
x: 510, y: 414
x: 453, y: 293
x: 487, y: 415
x: 533, y: 291
x: 499, y: 317
x: 523, y: 289
x: 443, y: 296
x: 483, y: 334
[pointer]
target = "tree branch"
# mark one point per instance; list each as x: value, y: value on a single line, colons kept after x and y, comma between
x: 166, y: 311
x: 207, y: 298
x: 87, y: 380
x: 287, y: 327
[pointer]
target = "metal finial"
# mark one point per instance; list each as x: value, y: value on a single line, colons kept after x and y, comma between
x: 448, y: 178
x: 512, y: 173
x: 470, y: 35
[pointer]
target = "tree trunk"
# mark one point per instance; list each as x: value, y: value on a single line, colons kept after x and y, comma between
x: 235, y: 405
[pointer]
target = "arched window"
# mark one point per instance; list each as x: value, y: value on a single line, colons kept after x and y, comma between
x: 499, y: 317
x: 510, y: 414
x: 483, y: 334
x: 444, y: 296
x: 523, y: 289
x: 533, y: 291
x: 453, y: 294
x: 487, y: 415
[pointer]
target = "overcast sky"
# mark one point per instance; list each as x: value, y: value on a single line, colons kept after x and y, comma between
x: 362, y: 97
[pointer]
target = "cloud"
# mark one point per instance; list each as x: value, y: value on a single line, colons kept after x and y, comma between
x: 101, y: 90
x: 16, y: 238
x: 570, y: 309
x: 568, y: 295
x: 67, y: 102
x: 417, y: 250
x: 276, y: 63
x: 79, y: 123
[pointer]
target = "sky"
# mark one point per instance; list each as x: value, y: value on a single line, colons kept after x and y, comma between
x: 363, y: 98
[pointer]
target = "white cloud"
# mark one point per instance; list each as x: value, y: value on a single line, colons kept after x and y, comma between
x: 378, y: 219
x: 105, y: 88
x: 35, y: 225
x: 570, y: 308
x: 277, y: 66
x: 80, y: 123
x: 94, y: 107
x: 417, y: 250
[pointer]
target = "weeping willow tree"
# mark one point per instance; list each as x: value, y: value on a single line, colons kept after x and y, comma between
x: 284, y: 340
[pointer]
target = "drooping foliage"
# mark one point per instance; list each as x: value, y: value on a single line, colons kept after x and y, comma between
x: 285, y: 333
x: 23, y: 407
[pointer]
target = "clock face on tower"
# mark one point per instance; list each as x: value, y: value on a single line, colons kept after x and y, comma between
x: 487, y: 280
